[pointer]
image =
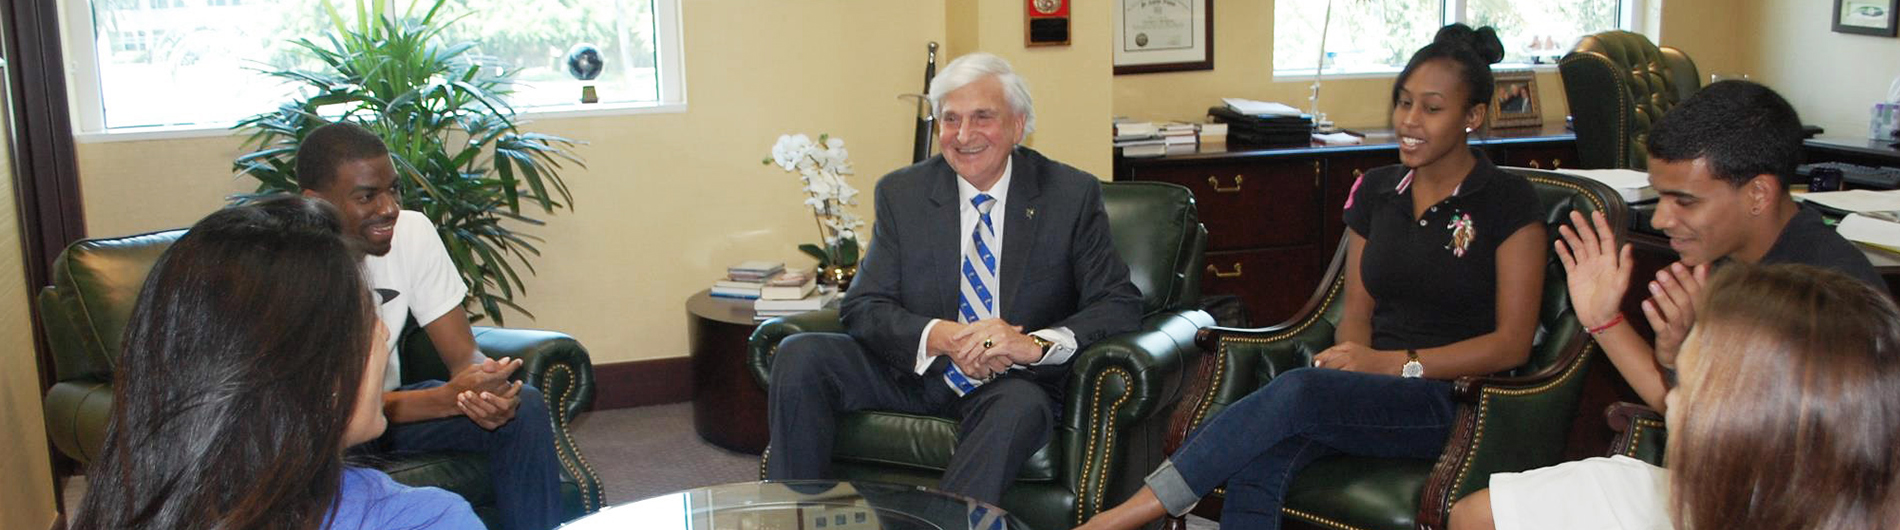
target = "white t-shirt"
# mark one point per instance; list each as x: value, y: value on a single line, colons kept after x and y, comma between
x: 427, y: 285
x: 1615, y: 493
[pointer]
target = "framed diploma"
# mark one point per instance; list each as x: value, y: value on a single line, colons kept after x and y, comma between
x: 1163, y: 36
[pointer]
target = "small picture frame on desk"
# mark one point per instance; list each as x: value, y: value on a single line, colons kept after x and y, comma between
x: 1514, y: 104
x: 1865, y: 17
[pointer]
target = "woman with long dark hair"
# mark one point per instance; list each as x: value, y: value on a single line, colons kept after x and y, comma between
x: 1444, y: 269
x: 251, y: 361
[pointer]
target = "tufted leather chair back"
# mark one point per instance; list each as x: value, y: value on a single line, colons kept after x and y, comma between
x: 1618, y: 84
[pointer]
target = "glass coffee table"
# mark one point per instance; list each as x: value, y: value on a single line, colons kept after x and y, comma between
x: 803, y: 505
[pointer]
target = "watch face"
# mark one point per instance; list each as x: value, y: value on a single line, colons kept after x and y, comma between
x: 1412, y: 369
x: 1047, y: 6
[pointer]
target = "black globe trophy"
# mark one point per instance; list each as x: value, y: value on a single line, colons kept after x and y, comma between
x: 584, y: 63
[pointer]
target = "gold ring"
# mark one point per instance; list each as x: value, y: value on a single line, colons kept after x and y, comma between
x: 988, y: 343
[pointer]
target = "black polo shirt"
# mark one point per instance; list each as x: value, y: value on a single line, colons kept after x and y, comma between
x: 1433, y: 280
x: 1810, y: 241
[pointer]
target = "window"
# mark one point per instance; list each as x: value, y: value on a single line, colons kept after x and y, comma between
x: 199, y: 64
x: 1372, y: 36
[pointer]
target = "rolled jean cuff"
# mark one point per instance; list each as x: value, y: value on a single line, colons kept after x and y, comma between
x: 1172, y: 490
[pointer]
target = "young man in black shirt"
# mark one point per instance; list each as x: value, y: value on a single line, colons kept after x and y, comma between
x: 1722, y: 162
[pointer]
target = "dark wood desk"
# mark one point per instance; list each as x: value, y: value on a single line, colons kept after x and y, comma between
x: 728, y: 405
x: 1273, y: 214
x: 1851, y: 150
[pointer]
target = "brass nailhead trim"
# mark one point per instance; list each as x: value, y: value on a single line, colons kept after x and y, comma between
x: 1315, y: 519
x: 1220, y: 362
x: 1636, y: 434
x: 1108, y: 444
x: 558, y: 411
x: 1484, y: 407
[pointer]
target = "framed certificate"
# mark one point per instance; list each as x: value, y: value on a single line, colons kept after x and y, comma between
x: 1164, y: 36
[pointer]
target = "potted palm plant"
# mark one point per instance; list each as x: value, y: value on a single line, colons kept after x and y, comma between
x: 460, y: 154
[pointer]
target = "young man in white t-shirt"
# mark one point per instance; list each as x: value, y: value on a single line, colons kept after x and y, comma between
x: 477, y: 409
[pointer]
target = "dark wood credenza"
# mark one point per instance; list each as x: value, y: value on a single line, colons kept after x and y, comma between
x: 1273, y: 215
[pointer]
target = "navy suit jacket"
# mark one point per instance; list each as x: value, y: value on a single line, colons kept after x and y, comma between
x: 1059, y: 266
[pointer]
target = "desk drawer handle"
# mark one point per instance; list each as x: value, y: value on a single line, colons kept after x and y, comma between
x: 1556, y: 163
x: 1535, y: 165
x: 1219, y: 274
x: 1215, y: 182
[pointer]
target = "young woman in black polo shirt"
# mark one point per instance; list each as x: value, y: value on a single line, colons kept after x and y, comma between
x: 1444, y: 270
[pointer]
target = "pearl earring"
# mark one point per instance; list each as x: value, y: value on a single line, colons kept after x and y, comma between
x: 1467, y: 130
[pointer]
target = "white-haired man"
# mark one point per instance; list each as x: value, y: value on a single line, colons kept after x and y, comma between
x: 989, y: 267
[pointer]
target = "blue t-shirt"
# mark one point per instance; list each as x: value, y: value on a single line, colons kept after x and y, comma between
x: 371, y: 500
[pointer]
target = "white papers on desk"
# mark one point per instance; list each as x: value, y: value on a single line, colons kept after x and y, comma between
x: 1857, y: 201
x: 1633, y: 185
x: 1868, y: 230
x: 1338, y: 138
x: 1259, y: 108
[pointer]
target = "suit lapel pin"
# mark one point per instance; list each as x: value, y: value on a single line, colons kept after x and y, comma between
x: 1029, y: 212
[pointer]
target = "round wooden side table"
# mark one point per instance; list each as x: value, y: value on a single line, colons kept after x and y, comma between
x: 728, y: 405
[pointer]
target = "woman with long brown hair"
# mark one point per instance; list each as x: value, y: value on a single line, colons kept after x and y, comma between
x: 1788, y: 413
x: 1787, y: 417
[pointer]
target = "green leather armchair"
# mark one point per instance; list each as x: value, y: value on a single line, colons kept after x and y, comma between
x: 1640, y: 432
x: 1618, y: 84
x: 1506, y: 422
x: 1120, y: 391
x: 95, y: 282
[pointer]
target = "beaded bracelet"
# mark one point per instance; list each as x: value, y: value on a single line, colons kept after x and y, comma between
x: 1618, y: 319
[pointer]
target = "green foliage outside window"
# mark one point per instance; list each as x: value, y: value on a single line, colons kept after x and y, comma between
x: 460, y: 155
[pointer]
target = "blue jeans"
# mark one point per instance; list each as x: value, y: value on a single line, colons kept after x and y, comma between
x: 1257, y: 445
x: 521, y: 460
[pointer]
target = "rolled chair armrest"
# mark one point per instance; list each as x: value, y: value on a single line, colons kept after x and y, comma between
x: 1640, y: 432
x: 763, y: 344
x: 1115, y: 387
x: 1148, y: 363
x: 551, y: 361
x: 558, y: 365
x: 1505, y: 424
x: 76, y: 417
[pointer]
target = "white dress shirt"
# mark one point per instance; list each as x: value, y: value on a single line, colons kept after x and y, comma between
x: 968, y: 217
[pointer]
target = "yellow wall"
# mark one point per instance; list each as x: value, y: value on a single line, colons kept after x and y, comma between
x: 1832, y: 79
x: 668, y: 200
x: 26, y: 478
x: 1243, y: 67
x: 1719, y: 35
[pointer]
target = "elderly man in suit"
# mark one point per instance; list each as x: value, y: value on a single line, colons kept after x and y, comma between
x: 989, y: 267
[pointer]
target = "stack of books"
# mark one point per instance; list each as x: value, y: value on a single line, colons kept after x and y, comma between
x: 1139, y: 139
x: 1180, y: 137
x: 1271, y: 130
x: 767, y: 309
x: 747, y: 280
x: 790, y: 293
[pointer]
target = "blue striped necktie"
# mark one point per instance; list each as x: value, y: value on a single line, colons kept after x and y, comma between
x: 976, y: 299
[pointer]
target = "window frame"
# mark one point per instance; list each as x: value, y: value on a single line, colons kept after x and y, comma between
x: 86, y: 105
x: 1631, y: 17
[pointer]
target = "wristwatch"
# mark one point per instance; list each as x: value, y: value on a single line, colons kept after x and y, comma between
x: 1412, y: 367
x: 1043, y: 344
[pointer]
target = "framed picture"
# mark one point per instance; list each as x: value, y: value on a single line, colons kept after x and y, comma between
x: 1865, y: 17
x: 1515, y: 102
x: 1163, y: 36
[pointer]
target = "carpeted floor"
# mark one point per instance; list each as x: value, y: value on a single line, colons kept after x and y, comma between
x: 647, y: 451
